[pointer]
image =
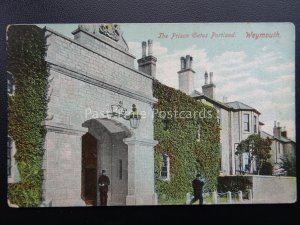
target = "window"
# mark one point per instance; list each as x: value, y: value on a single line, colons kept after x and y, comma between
x: 10, y: 84
x: 9, y: 152
x: 198, y: 135
x: 255, y: 124
x: 165, y: 169
x: 246, y: 166
x: 219, y: 116
x: 246, y: 122
x: 120, y: 169
x: 278, y: 147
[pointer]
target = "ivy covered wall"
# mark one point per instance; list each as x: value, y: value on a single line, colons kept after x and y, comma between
x: 27, y: 109
x: 187, y: 155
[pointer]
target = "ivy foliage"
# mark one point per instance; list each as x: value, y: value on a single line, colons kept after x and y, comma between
x: 188, y: 156
x: 27, y: 109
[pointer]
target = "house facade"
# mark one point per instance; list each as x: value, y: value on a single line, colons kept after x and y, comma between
x: 237, y: 120
x: 281, y: 145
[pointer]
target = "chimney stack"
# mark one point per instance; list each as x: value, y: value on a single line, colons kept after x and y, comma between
x: 209, y: 89
x: 147, y: 64
x: 182, y: 61
x: 277, y: 130
x: 150, y: 47
x: 206, y: 77
x: 284, y: 132
x: 144, y: 46
x: 211, y: 76
x: 186, y: 75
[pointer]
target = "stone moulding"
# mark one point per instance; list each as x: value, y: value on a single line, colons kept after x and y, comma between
x: 64, y: 129
x: 103, y: 84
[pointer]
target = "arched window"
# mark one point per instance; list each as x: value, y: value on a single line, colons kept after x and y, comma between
x: 165, y: 169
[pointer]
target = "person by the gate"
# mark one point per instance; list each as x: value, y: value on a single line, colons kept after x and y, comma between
x: 103, y: 183
x: 198, y: 184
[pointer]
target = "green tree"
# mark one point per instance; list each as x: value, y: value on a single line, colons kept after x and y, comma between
x: 257, y: 148
x: 288, y: 163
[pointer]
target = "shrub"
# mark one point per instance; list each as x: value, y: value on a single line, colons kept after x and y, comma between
x: 266, y: 169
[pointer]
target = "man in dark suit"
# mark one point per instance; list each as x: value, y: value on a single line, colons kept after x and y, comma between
x: 198, y: 188
x: 103, y: 183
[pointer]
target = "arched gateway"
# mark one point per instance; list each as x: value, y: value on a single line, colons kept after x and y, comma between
x: 88, y: 75
x: 103, y: 148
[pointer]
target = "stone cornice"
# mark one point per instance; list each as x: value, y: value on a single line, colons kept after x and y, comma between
x: 103, y: 84
x: 140, y: 141
x: 64, y: 129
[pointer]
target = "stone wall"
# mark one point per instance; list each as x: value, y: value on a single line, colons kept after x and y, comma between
x: 270, y: 189
x: 87, y: 76
x: 225, y: 141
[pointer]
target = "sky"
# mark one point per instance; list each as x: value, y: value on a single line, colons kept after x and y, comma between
x: 256, y: 70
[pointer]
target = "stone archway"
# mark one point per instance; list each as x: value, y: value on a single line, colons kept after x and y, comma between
x: 103, y: 148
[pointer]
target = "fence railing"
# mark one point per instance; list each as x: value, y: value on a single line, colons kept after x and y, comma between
x: 223, y: 198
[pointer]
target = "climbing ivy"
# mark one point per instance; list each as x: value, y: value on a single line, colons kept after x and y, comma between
x: 27, y: 109
x: 187, y: 155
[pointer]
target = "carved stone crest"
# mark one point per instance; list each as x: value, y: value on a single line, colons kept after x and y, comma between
x: 108, y: 29
x: 111, y: 30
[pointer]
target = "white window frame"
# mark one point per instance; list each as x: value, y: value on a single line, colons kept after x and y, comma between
x: 246, y: 114
x: 167, y: 176
x: 255, y: 130
x: 10, y: 81
x: 14, y: 176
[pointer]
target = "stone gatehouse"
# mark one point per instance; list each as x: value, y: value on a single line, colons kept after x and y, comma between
x: 88, y: 74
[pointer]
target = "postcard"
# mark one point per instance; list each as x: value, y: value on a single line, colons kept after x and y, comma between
x: 108, y: 114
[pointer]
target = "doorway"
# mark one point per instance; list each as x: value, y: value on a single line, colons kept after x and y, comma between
x: 89, y: 169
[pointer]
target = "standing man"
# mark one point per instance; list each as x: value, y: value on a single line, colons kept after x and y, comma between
x: 103, y: 183
x: 198, y: 188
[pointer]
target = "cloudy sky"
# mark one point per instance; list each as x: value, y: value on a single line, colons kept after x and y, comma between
x: 259, y: 72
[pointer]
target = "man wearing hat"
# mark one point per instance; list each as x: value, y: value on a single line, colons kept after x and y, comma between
x: 103, y: 183
x: 198, y: 184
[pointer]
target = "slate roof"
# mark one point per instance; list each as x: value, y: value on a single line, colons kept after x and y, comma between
x: 282, y: 139
x: 234, y: 106
x: 239, y: 105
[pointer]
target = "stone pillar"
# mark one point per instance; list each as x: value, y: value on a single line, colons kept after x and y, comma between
x: 250, y: 195
x: 188, y: 198
x: 62, y: 180
x: 214, y: 197
x: 229, y: 198
x: 140, y: 171
x: 240, y: 193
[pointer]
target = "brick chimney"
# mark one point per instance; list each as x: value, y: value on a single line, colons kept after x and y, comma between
x: 209, y: 89
x: 147, y: 64
x: 186, y: 75
x: 284, y: 132
x: 277, y: 130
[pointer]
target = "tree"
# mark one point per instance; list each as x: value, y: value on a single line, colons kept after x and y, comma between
x: 257, y: 148
x: 288, y: 163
